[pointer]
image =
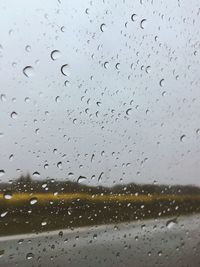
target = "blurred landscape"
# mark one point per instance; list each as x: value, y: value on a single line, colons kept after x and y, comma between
x: 31, y: 206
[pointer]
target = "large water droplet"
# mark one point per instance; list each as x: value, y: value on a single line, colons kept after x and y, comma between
x: 171, y: 223
x: 128, y: 111
x: 36, y: 174
x: 103, y: 27
x: 143, y: 23
x: 29, y: 256
x: 81, y: 179
x: 65, y: 70
x: 3, y: 214
x: 133, y: 17
x: 55, y: 54
x: 28, y: 71
x: 7, y: 195
x: 33, y: 200
x: 183, y: 138
x: 13, y: 115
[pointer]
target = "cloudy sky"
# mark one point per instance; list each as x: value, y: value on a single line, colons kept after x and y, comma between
x: 108, y: 90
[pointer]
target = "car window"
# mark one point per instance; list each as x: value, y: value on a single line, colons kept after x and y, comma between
x: 99, y: 133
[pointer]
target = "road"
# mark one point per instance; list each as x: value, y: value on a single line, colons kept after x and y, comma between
x: 165, y: 242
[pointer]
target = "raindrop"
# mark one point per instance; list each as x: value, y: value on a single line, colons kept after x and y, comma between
x: 36, y: 174
x: 148, y: 68
x: 143, y: 23
x: 65, y: 70
x: 198, y: 131
x: 161, y: 82
x: 13, y: 115
x: 59, y: 164
x: 44, y: 223
x: 182, y: 138
x: 7, y: 195
x: 81, y: 179
x: 117, y: 66
x: 46, y: 166
x: 33, y: 200
x: 128, y: 111
x: 55, y: 54
x: 103, y: 27
x: 28, y: 48
x: 100, y: 176
x: 171, y: 223
x: 28, y: 71
x: 133, y: 17
x: 62, y: 29
x: 3, y: 97
x: 11, y: 157
x: 3, y: 214
x: 106, y: 65
x: 29, y: 256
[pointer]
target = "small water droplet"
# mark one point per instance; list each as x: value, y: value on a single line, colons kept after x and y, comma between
x: 103, y: 27
x: 3, y: 214
x: 59, y: 164
x: 171, y: 223
x: 7, y: 195
x: 13, y: 115
x: 55, y: 54
x: 106, y: 64
x: 33, y: 200
x: 183, y: 138
x: 65, y: 70
x: 29, y: 256
x: 162, y: 82
x: 28, y: 71
x: 28, y: 48
x: 143, y: 23
x: 117, y: 66
x: 128, y: 111
x: 36, y: 174
x: 81, y: 179
x: 133, y: 17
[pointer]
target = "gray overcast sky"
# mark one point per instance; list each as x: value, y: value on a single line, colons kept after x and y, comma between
x: 127, y: 108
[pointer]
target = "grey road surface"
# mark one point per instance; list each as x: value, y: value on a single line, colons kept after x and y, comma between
x: 165, y: 242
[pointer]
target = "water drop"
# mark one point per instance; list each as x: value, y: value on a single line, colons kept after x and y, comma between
x: 65, y: 70
x: 143, y: 23
x: 81, y: 179
x: 106, y: 64
x: 55, y: 54
x: 13, y: 115
x: 59, y: 164
x: 128, y: 111
x: 103, y: 27
x: 3, y: 214
x: 29, y: 256
x: 117, y: 66
x: 161, y: 82
x: 33, y: 200
x: 171, y: 223
x: 28, y: 48
x: 36, y: 174
x: 182, y: 138
x: 133, y: 17
x: 7, y: 195
x: 28, y: 71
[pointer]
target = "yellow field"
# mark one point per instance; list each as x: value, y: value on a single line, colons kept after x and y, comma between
x: 43, y: 198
